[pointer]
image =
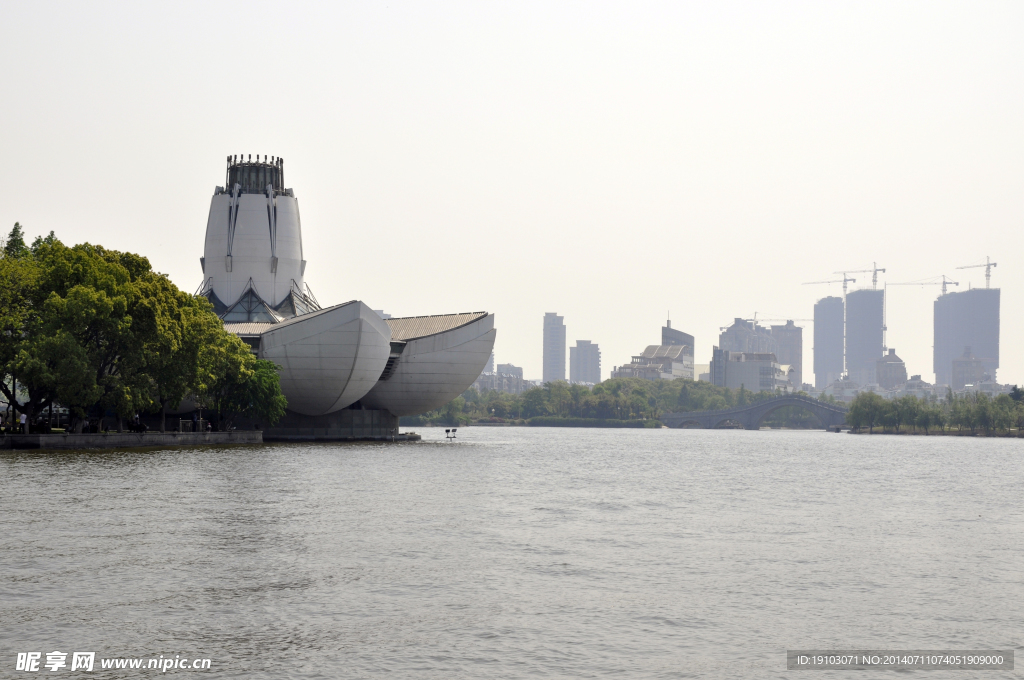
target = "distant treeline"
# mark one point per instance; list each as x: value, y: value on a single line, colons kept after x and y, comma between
x: 618, y: 399
x: 98, y: 331
x: 972, y: 413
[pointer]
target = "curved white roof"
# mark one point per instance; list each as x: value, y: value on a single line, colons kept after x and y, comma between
x: 410, y: 327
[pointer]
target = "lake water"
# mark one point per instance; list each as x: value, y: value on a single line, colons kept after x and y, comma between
x: 515, y: 553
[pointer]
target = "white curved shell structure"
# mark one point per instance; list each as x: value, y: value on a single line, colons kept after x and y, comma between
x: 328, y: 359
x: 253, y: 232
x: 441, y: 357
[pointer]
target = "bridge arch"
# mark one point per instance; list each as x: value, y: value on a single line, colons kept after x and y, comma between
x: 758, y: 420
x: 750, y: 416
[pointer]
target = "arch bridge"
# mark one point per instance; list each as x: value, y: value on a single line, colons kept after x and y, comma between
x: 752, y: 415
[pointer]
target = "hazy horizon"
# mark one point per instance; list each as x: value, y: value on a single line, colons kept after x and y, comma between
x: 610, y: 163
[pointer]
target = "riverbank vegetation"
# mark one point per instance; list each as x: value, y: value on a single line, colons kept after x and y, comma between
x: 975, y: 413
x: 99, y: 332
x: 617, y: 400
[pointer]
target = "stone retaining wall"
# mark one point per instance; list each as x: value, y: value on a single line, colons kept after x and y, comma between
x: 115, y: 440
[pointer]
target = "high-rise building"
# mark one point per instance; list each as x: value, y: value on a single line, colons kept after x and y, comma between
x: 864, y: 313
x: 890, y: 371
x: 828, y: 341
x: 671, y: 336
x: 554, y: 347
x: 585, y: 362
x: 747, y: 336
x: 790, y: 339
x: 969, y: 318
x: 489, y: 368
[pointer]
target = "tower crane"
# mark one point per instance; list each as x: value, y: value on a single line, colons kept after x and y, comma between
x: 843, y: 281
x: 874, y: 273
x: 944, y: 282
x: 988, y: 270
x: 755, y: 319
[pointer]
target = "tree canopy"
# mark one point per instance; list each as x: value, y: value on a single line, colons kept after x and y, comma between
x: 97, y: 330
x: 615, y: 399
x: 973, y: 411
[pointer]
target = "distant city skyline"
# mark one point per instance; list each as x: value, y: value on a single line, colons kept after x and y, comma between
x: 707, y: 159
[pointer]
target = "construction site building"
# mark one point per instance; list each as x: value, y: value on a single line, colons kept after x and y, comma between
x: 864, y: 321
x: 969, y: 318
x: 828, y: 341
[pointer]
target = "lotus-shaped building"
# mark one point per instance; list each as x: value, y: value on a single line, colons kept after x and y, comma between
x: 346, y: 371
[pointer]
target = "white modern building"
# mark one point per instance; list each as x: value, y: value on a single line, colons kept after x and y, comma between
x: 346, y: 371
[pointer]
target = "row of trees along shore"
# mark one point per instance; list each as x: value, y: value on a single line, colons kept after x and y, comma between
x: 617, y: 402
x: 98, y: 331
x: 960, y: 413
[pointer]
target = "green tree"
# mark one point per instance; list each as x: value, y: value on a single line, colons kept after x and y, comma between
x: 905, y: 410
x: 867, y: 409
x: 1002, y: 409
x: 235, y: 383
x: 14, y: 244
x: 534, y: 403
x: 183, y: 325
x: 96, y: 329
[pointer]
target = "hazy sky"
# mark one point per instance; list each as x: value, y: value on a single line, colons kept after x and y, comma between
x: 608, y: 162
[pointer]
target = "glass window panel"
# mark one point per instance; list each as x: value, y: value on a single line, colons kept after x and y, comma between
x: 236, y: 314
x: 262, y: 313
x: 249, y: 301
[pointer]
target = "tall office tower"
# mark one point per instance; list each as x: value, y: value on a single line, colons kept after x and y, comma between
x: 791, y: 349
x: 489, y: 368
x: 969, y: 318
x: 747, y: 336
x: 828, y: 341
x: 863, y: 334
x: 554, y: 348
x: 671, y: 336
x: 585, y: 362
